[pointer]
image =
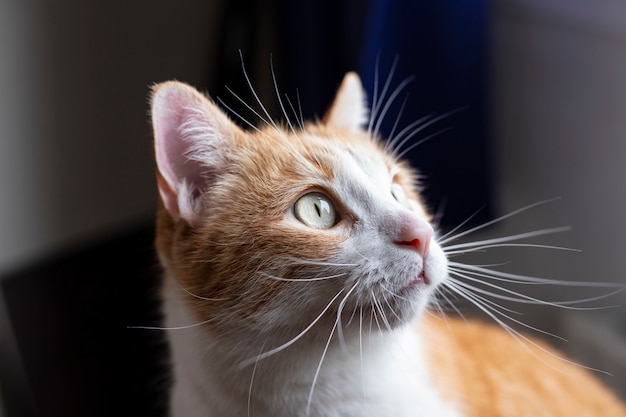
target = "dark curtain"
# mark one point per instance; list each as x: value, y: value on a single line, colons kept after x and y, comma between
x: 441, y: 46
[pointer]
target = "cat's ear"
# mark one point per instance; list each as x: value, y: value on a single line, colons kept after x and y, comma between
x: 192, y: 138
x: 349, y: 109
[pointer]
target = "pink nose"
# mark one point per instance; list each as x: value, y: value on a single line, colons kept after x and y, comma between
x: 416, y: 233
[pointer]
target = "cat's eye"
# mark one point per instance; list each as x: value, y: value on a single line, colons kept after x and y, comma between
x: 398, y: 193
x: 316, y: 210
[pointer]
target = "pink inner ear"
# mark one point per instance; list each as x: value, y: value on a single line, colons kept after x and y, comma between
x: 174, y: 107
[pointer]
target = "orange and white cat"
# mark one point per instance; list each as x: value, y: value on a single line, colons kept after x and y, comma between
x: 299, y: 262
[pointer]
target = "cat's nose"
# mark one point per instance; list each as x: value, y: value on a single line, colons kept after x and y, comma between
x: 416, y: 233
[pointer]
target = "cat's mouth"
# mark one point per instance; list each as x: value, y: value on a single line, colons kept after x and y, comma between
x: 421, y: 279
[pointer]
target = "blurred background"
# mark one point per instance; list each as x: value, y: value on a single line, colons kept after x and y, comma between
x: 538, y: 94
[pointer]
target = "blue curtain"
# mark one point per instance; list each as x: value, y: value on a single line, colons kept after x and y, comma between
x: 441, y: 44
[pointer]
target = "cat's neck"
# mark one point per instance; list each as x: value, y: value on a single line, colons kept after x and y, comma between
x: 369, y: 375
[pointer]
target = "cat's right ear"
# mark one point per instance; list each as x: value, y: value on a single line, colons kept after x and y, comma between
x: 192, y: 138
x: 349, y: 109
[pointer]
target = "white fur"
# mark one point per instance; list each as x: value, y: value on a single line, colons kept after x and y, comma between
x: 368, y: 372
x: 358, y: 358
x: 391, y: 377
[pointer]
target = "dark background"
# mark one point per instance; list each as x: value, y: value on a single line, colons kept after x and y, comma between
x: 532, y: 85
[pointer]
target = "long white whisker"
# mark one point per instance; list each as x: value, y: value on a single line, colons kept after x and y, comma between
x: 383, y: 316
x: 280, y: 101
x: 243, y: 119
x: 258, y: 100
x: 318, y: 278
x: 378, y: 100
x: 361, y: 351
x: 342, y: 304
x: 442, y: 239
x: 393, y: 140
x: 410, y: 131
x: 295, y: 260
x: 200, y: 297
x: 380, y: 117
x: 392, y: 310
x: 188, y: 326
x: 421, y: 141
x: 496, y: 220
x: 506, y: 245
x: 319, y: 366
x: 510, y: 238
x: 389, y: 142
x: 396, y: 295
x: 294, y: 339
x: 525, y: 279
x: 520, y: 337
x: 300, y: 122
x: 494, y: 308
x: 252, y: 380
x: 525, y: 299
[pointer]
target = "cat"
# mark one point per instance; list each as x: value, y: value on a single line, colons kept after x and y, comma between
x: 299, y: 264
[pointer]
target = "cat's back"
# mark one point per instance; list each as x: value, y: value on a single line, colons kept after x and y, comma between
x: 488, y: 372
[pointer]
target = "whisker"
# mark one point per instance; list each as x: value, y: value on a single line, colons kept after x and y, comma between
x: 525, y: 279
x: 342, y: 304
x: 473, y: 290
x: 252, y: 380
x: 388, y: 143
x: 375, y: 316
x: 258, y: 100
x: 319, y: 367
x: 200, y: 297
x: 392, y: 310
x: 413, y: 129
x: 383, y: 316
x: 295, y: 113
x: 392, y: 141
x: 378, y: 100
x: 521, y: 338
x: 495, y: 308
x: 421, y: 141
x: 396, y: 295
x: 496, y: 220
x: 314, y: 262
x: 243, y: 119
x: 525, y: 299
x: 388, y: 102
x: 361, y: 351
x: 519, y: 236
x: 506, y: 245
x: 442, y: 290
x: 280, y: 102
x: 188, y: 326
x: 442, y: 239
x: 294, y: 339
x: 318, y: 278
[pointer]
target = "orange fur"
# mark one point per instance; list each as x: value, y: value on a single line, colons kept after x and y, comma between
x: 240, y: 229
x: 487, y: 372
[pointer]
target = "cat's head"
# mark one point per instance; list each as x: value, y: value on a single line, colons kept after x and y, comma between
x: 268, y: 228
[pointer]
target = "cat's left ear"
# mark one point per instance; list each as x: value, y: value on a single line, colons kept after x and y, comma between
x: 349, y: 109
x: 192, y: 140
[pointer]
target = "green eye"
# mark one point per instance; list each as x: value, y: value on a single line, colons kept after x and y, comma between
x: 398, y: 193
x: 315, y: 210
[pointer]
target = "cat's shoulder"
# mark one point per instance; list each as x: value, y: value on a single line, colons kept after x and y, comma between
x: 488, y: 370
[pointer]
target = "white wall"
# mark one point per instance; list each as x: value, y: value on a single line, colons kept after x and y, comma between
x: 559, y: 104
x: 75, y: 150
